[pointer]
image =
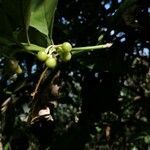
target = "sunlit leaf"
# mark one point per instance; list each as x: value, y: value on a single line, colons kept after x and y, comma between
x: 42, y: 15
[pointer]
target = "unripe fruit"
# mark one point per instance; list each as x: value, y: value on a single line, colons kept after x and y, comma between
x: 66, y: 46
x: 66, y: 56
x: 42, y: 55
x: 18, y: 70
x: 14, y: 67
x: 12, y: 64
x: 51, y: 62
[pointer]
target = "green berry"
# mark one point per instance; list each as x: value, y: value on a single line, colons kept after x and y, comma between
x: 66, y: 46
x: 66, y: 56
x: 13, y: 64
x: 18, y: 70
x: 42, y: 55
x: 51, y: 62
x: 13, y: 67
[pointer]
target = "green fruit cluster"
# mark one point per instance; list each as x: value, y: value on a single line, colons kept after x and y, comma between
x: 65, y: 51
x: 49, y: 56
x: 50, y: 60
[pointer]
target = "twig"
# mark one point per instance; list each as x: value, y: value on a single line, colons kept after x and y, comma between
x: 33, y: 94
x: 54, y: 78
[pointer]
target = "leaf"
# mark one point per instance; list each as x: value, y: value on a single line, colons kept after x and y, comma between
x: 5, y: 27
x: 98, y: 129
x: 17, y: 14
x: 6, y: 147
x: 42, y: 15
x: 12, y: 9
x: 26, y: 16
x: 126, y: 5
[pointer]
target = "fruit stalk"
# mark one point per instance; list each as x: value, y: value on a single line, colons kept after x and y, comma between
x: 90, y: 48
x: 33, y: 47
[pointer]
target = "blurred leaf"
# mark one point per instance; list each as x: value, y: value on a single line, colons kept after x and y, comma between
x: 100, y: 38
x: 123, y: 8
x: 7, y: 31
x: 147, y: 139
x: 98, y: 129
x: 134, y: 148
x: 6, y: 147
x: 27, y: 14
x: 5, y: 41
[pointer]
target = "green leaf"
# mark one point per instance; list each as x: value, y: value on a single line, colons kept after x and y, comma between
x: 16, y: 17
x: 6, y: 147
x: 42, y: 15
x: 147, y: 139
x: 26, y: 16
x: 98, y: 129
x: 5, y: 27
x: 124, y: 7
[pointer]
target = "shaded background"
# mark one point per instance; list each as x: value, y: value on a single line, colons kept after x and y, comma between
x: 104, y: 98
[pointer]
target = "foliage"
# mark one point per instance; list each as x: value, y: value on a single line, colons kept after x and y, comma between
x: 77, y: 96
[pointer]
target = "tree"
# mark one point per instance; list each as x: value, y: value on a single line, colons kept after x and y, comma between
x: 74, y: 74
